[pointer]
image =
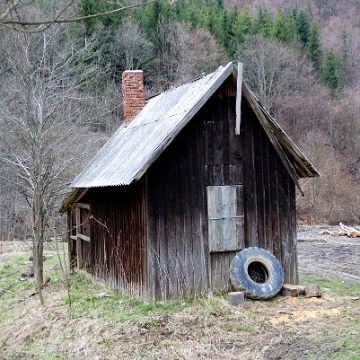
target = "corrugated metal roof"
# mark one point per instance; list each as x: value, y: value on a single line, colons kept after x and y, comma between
x: 133, y: 148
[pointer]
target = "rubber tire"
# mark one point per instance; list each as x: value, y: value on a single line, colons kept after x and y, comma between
x: 242, y: 281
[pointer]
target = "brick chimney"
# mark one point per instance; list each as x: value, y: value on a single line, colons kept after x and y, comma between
x: 133, y: 93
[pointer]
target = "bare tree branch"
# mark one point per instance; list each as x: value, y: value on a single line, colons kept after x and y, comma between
x: 23, y: 24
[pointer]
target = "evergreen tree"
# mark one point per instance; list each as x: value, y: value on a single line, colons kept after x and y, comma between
x: 211, y: 18
x: 291, y: 19
x: 91, y: 7
x: 303, y: 27
x: 263, y: 23
x: 223, y: 28
x: 150, y: 18
x: 194, y: 13
x: 330, y: 72
x: 232, y: 42
x: 313, y: 46
x: 243, y: 24
x: 281, y: 30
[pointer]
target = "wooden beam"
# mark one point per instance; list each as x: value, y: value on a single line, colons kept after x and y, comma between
x: 265, y: 124
x: 83, y: 237
x: 78, y: 241
x: 83, y: 206
x: 238, y: 98
x: 80, y: 196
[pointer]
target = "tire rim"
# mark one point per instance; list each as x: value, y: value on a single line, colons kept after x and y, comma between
x: 258, y: 272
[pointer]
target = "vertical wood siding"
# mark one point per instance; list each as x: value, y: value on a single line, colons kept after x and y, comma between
x: 224, y: 164
x: 117, y: 237
x: 270, y: 210
x: 206, y: 153
x: 177, y: 223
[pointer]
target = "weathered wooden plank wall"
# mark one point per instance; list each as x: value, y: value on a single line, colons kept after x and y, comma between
x: 203, y: 154
x: 177, y: 223
x: 270, y: 211
x: 118, y: 234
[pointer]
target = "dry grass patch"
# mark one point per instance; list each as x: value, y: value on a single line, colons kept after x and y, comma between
x: 102, y: 323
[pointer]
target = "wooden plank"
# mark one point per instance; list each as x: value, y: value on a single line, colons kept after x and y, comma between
x: 260, y: 157
x: 83, y: 237
x: 218, y: 142
x: 203, y: 240
x: 294, y: 276
x: 162, y: 255
x: 209, y: 141
x: 275, y: 213
x: 83, y: 206
x: 151, y: 239
x: 199, y: 191
x: 270, y: 156
x: 220, y: 268
x: 240, y: 232
x: 84, y: 221
x: 238, y: 97
x: 247, y: 143
x: 214, y: 175
x: 225, y: 131
x: 171, y: 243
x: 188, y: 234
x: 180, y: 226
x: 284, y: 224
x: 236, y: 174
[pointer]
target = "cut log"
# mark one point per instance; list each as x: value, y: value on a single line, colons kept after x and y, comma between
x: 332, y: 233
x: 236, y: 297
x: 293, y: 290
x: 312, y: 291
x: 350, y: 231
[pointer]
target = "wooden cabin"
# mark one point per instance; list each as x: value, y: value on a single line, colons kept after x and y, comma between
x: 200, y: 173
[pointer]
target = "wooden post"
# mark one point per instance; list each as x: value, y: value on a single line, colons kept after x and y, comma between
x: 238, y: 98
x: 78, y: 240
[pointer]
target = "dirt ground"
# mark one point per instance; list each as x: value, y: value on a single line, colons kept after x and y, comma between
x: 328, y: 257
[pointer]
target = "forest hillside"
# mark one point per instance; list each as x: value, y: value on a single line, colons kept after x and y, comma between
x: 61, y: 90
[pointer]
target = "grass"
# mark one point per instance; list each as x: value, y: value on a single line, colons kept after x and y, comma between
x: 103, y: 323
x: 335, y: 286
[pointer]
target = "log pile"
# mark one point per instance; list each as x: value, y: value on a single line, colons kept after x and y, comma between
x: 350, y: 231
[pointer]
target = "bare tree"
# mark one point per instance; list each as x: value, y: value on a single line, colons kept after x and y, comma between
x: 181, y: 56
x: 269, y: 68
x: 131, y: 46
x: 39, y: 112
